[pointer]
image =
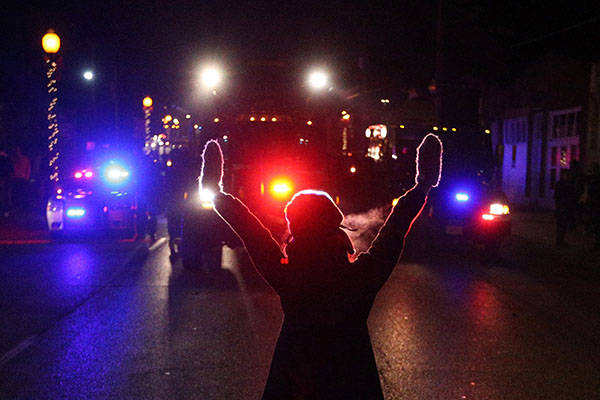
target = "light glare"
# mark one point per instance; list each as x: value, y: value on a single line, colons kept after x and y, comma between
x: 211, y: 77
x: 462, y: 197
x: 318, y: 80
x: 75, y: 212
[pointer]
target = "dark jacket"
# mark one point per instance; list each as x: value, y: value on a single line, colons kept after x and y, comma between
x: 324, y: 350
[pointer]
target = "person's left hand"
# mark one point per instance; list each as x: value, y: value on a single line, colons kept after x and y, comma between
x: 429, y: 162
x: 211, y: 177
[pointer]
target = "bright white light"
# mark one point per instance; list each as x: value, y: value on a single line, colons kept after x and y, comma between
x: 75, y: 212
x: 462, y: 197
x: 88, y: 75
x: 383, y: 132
x: 318, y: 80
x: 211, y: 77
x: 206, y: 198
x: 116, y: 173
x: 499, y: 209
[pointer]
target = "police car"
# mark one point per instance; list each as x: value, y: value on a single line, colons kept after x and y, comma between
x: 99, y: 194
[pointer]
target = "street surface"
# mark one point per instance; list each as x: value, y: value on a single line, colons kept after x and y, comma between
x: 109, y: 319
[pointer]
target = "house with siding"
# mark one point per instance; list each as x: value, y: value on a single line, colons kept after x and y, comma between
x: 543, y: 120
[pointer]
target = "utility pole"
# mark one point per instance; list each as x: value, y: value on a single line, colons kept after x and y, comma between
x: 439, y: 77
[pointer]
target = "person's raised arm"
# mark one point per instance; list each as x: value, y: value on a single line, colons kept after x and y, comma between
x: 389, y: 242
x: 264, y: 251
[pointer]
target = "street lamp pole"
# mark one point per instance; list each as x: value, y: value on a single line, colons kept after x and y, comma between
x: 147, y: 106
x: 51, y: 45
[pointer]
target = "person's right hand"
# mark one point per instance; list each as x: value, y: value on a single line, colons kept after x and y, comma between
x: 429, y: 161
x: 211, y: 177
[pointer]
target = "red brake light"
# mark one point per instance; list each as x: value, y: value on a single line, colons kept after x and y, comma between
x: 89, y: 174
x: 281, y: 188
x: 78, y: 175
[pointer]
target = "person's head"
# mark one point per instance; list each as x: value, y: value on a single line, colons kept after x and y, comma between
x: 314, y: 221
x: 566, y: 174
x: 575, y: 166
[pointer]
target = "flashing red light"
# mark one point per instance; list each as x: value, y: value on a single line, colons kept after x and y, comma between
x: 78, y: 175
x: 89, y: 174
x: 488, y: 217
x: 281, y: 188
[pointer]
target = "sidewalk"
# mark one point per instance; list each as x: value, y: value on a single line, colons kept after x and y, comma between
x: 23, y: 226
x: 540, y: 226
x: 533, y: 239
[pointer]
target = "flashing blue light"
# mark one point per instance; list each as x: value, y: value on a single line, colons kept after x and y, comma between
x: 462, y: 197
x: 75, y: 212
x: 115, y: 173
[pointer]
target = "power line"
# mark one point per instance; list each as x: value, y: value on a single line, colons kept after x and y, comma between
x: 558, y: 32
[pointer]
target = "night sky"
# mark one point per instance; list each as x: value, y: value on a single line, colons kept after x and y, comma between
x: 156, y: 47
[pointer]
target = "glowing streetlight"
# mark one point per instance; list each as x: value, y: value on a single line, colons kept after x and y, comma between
x: 51, y: 42
x: 147, y: 108
x: 318, y: 79
x: 51, y: 45
x: 211, y: 77
x: 88, y: 75
x: 147, y: 102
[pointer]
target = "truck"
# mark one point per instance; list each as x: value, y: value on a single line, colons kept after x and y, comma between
x: 268, y: 156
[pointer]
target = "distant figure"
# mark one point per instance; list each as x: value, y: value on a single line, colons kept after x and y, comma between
x: 20, y: 179
x: 579, y: 181
x: 5, y: 184
x: 324, y: 350
x: 594, y: 204
x: 566, y: 199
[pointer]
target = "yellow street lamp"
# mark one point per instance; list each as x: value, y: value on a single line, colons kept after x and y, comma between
x: 147, y: 107
x: 51, y: 42
x: 51, y: 45
x: 147, y: 102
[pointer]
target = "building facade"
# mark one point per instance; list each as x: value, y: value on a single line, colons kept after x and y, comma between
x: 541, y: 122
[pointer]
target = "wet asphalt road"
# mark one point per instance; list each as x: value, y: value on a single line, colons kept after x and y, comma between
x: 118, y: 320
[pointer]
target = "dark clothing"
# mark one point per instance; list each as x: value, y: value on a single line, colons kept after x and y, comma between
x: 324, y: 350
x: 594, y: 206
x: 5, y: 187
x: 566, y: 197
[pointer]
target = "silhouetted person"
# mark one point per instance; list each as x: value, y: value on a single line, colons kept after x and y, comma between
x: 324, y: 350
x: 566, y: 198
x: 594, y: 204
x: 20, y: 179
x: 5, y: 187
x: 579, y: 181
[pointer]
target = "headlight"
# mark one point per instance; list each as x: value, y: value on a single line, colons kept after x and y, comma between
x: 499, y: 209
x: 206, y: 199
x: 115, y: 173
